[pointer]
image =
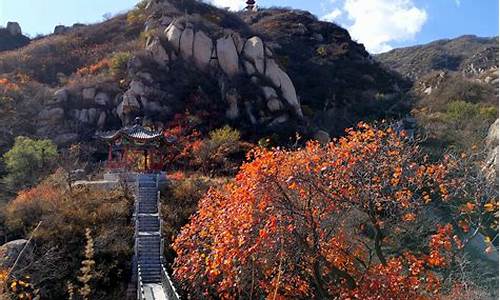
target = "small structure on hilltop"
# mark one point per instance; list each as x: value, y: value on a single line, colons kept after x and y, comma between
x: 136, y: 148
x: 251, y: 5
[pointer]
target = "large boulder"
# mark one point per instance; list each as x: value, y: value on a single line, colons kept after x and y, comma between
x: 93, y: 115
x: 186, y: 42
x: 88, y: 93
x: 173, y: 34
x: 281, y: 80
x: 157, y: 52
x: 82, y: 115
x: 129, y: 105
x: 137, y: 87
x: 238, y: 42
x: 322, y: 137
x: 61, y: 96
x: 227, y: 56
x: 102, y: 120
x: 9, y: 253
x: 254, y: 52
x: 14, y: 28
x: 102, y: 99
x: 202, y: 49
x: 60, y: 29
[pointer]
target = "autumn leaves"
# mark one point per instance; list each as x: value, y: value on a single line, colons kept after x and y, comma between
x: 324, y: 222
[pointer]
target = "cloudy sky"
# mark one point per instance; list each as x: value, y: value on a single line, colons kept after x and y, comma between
x: 379, y: 24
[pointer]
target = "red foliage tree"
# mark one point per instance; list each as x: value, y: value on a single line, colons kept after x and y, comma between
x: 321, y: 222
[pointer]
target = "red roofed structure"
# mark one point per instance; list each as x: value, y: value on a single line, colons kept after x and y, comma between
x: 139, y: 147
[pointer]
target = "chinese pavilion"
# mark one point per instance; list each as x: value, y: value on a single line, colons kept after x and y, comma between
x: 135, y: 147
x: 250, y: 5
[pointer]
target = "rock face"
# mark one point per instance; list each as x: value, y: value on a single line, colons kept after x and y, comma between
x: 60, y: 29
x: 202, y: 49
x: 51, y: 114
x: 227, y: 55
x: 157, y: 52
x: 88, y: 93
x: 186, y: 42
x: 254, y: 53
x: 14, y: 28
x: 102, y: 99
x: 9, y: 252
x: 235, y: 56
x: 491, y: 166
x: 61, y: 96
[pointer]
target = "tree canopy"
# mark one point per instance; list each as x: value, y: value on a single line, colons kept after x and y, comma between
x: 28, y: 161
x: 345, y: 220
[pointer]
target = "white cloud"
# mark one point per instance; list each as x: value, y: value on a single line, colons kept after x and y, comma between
x: 332, y: 16
x: 458, y: 2
x: 376, y: 23
x: 232, y: 4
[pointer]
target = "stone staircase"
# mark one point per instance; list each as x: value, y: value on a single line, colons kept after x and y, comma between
x: 153, y: 281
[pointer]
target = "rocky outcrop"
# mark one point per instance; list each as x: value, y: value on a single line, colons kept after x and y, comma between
x: 88, y: 93
x: 254, y: 53
x: 202, y: 49
x: 227, y: 56
x: 491, y: 165
x: 51, y: 115
x: 102, y: 99
x: 235, y: 56
x: 14, y: 28
x: 9, y: 252
x: 186, y: 42
x: 60, y: 29
x: 157, y: 52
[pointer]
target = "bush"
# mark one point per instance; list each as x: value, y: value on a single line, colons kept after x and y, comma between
x: 214, y: 153
x: 118, y: 65
x: 462, y: 111
x: 137, y: 15
x: 28, y: 161
x: 59, y: 241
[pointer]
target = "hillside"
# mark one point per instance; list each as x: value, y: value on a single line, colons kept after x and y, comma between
x: 225, y: 104
x: 467, y: 54
x: 91, y: 61
x: 455, y: 89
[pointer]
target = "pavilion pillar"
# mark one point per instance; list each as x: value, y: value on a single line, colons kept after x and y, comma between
x: 110, y: 152
x: 125, y: 156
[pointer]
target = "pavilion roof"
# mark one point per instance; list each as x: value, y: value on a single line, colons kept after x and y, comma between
x: 135, y: 132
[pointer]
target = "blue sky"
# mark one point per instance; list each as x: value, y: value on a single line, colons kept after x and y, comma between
x: 379, y: 24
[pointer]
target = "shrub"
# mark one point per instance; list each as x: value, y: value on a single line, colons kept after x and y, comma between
x: 59, y: 241
x: 28, y: 161
x: 214, y: 153
x: 137, y: 15
x: 118, y: 64
x: 93, y: 69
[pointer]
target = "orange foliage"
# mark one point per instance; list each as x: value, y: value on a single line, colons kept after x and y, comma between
x: 94, y: 68
x: 293, y: 224
x: 6, y: 85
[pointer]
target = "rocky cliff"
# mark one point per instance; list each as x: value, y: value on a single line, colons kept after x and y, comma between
x: 266, y: 72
